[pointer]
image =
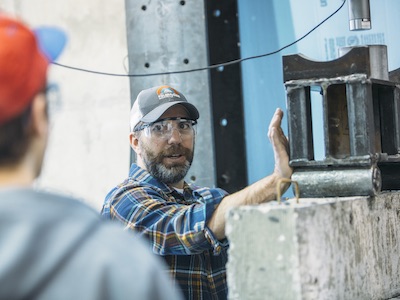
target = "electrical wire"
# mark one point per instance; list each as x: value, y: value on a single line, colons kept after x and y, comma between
x: 215, y: 66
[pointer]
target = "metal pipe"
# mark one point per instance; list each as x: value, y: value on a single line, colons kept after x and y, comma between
x: 338, y: 183
x: 359, y: 15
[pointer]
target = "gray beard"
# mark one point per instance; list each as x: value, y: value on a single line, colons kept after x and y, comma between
x: 168, y: 175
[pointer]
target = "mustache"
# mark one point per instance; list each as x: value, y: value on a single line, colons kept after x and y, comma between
x: 175, y: 149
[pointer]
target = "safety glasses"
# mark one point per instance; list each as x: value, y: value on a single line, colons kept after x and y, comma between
x: 163, y: 129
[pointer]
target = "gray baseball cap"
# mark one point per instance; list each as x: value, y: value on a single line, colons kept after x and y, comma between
x: 151, y: 103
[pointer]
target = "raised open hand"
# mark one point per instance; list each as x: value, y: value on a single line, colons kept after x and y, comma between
x: 280, y: 146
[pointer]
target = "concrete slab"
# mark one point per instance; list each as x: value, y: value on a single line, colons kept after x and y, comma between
x: 331, y: 248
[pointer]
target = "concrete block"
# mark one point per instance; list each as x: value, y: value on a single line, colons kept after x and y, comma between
x: 331, y: 248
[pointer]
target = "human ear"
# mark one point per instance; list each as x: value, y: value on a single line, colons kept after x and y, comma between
x: 134, y: 142
x: 39, y: 115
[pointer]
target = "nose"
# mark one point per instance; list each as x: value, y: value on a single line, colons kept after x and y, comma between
x: 176, y: 137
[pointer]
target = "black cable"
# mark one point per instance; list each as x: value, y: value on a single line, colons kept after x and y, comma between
x: 236, y: 61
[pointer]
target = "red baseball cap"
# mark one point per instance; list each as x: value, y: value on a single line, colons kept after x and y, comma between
x: 24, y: 57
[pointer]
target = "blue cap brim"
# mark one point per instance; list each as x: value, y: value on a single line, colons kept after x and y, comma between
x: 51, y: 41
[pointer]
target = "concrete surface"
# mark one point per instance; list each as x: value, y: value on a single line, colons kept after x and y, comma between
x: 333, y: 248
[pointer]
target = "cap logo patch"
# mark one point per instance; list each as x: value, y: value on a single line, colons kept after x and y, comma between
x: 166, y: 92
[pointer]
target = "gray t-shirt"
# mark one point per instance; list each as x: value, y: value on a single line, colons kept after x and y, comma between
x: 54, y: 247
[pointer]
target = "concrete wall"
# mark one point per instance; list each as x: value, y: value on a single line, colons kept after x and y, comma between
x: 89, y: 148
x: 333, y: 248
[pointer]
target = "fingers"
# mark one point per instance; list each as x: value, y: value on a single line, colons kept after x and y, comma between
x: 275, y: 123
x: 280, y: 145
x: 276, y: 134
x: 276, y: 118
x: 278, y: 139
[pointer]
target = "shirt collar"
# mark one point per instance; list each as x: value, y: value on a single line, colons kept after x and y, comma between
x: 141, y: 175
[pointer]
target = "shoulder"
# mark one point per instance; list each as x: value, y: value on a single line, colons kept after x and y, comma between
x: 43, y: 206
x: 128, y: 263
x: 66, y: 238
x: 134, y: 191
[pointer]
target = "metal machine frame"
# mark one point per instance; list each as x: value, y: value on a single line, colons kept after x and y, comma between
x: 361, y: 116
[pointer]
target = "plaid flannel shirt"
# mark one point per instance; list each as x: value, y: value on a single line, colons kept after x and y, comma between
x: 175, y: 225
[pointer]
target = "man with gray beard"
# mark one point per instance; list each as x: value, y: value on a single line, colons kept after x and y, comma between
x: 184, y: 223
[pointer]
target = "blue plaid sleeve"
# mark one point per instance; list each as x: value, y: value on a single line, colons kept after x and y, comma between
x: 173, y: 228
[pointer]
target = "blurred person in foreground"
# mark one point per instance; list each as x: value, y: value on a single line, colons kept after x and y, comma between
x: 51, y: 246
x: 184, y: 223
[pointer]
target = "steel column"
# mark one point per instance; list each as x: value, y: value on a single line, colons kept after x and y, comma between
x: 170, y: 35
x: 298, y: 105
x: 173, y: 35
